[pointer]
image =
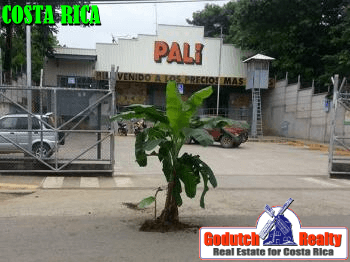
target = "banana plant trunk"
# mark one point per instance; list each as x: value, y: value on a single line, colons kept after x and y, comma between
x: 170, y: 213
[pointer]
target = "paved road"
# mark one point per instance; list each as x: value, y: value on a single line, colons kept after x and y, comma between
x: 251, y: 158
x: 251, y: 166
x: 93, y: 225
x: 83, y: 219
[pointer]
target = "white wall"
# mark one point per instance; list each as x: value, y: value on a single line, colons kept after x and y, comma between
x: 137, y: 55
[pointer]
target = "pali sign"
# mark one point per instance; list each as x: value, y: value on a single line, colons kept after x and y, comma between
x: 174, y: 54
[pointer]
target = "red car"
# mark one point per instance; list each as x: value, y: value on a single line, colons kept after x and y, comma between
x: 229, y: 136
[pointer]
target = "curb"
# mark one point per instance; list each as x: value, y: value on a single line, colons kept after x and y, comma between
x: 17, y: 192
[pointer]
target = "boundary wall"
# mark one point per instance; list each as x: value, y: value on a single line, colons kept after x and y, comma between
x: 293, y: 112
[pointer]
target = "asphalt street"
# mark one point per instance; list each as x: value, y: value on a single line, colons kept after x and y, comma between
x: 84, y: 219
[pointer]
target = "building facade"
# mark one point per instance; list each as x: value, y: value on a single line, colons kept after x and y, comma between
x: 146, y: 63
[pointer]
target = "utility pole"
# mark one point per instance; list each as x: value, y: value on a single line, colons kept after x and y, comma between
x: 156, y: 16
x: 0, y: 50
x: 0, y: 66
x: 29, y: 85
x: 218, y: 95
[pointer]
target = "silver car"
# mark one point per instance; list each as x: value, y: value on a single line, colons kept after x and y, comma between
x: 14, y: 135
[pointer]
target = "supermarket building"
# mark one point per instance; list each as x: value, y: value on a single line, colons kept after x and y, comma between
x: 146, y: 63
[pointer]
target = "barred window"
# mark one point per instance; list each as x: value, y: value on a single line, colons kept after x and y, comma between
x: 81, y: 82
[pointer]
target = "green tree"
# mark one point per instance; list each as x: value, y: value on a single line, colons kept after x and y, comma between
x: 339, y: 61
x: 13, y: 39
x: 309, y: 38
x: 295, y: 32
x: 43, y: 42
x: 170, y: 131
x: 213, y: 17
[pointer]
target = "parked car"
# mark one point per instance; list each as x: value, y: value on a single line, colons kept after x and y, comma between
x: 229, y: 136
x: 14, y: 135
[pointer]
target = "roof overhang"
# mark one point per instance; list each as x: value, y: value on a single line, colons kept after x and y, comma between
x: 258, y: 57
x: 90, y: 58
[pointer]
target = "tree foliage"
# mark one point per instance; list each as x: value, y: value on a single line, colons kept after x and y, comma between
x: 14, y: 53
x: 307, y: 38
x: 212, y: 18
x: 13, y: 40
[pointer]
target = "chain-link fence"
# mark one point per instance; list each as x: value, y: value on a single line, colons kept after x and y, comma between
x: 232, y: 113
x: 56, y: 130
x: 339, y: 148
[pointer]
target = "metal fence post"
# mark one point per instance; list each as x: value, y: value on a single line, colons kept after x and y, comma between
x: 99, y: 146
x: 112, y: 85
x: 334, y: 107
x: 55, y: 126
x: 41, y: 112
x: 29, y: 85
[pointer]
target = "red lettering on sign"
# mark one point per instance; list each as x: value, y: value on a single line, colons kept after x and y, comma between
x: 175, y: 54
x: 198, y: 55
x: 208, y: 239
x: 187, y: 58
x: 161, y: 49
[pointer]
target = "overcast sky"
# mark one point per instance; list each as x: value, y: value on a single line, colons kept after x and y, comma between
x: 128, y: 19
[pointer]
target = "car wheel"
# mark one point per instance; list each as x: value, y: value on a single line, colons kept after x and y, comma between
x: 243, y: 137
x: 226, y: 141
x: 236, y: 144
x: 46, y: 150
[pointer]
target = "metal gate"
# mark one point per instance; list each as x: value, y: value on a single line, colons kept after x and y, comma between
x: 339, y: 147
x: 56, y: 130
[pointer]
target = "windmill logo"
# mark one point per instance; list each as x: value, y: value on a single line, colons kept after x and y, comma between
x: 278, y: 231
x: 278, y: 234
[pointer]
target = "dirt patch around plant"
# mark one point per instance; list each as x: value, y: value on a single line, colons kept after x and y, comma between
x: 158, y: 226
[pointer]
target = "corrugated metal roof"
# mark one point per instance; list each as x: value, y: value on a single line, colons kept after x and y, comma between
x: 259, y: 57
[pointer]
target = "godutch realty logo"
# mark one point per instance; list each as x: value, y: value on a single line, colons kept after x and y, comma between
x: 278, y: 235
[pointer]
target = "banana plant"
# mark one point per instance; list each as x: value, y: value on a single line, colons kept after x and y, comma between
x: 165, y: 139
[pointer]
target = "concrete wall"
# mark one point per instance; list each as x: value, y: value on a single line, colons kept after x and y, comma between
x: 299, y: 113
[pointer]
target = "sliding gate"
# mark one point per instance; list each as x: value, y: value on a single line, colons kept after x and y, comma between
x: 339, y: 147
x: 56, y: 130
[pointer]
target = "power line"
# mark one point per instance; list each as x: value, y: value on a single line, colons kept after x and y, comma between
x: 107, y: 2
x: 122, y: 2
